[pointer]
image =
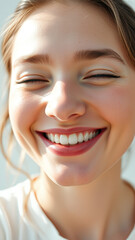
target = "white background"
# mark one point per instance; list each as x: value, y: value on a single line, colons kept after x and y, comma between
x: 7, y: 176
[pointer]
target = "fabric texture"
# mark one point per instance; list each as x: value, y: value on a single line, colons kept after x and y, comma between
x: 16, y: 225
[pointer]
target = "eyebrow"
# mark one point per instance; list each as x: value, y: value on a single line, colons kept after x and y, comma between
x: 94, y: 54
x: 78, y: 56
x: 35, y: 59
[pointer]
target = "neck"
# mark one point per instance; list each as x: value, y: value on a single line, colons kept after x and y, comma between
x: 91, y: 208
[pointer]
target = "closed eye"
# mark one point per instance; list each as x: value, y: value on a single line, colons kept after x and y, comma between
x: 102, y: 76
x: 100, y: 79
x: 33, y: 81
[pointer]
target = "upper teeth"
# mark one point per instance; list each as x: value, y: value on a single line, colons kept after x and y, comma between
x: 71, y: 139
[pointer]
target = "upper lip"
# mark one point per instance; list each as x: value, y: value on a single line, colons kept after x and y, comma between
x: 69, y: 130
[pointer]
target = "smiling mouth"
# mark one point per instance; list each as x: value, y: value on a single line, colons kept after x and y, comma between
x: 70, y: 142
x: 72, y: 139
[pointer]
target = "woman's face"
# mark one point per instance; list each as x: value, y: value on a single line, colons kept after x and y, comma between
x: 72, y: 83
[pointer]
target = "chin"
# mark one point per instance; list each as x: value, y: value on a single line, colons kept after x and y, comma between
x: 68, y: 177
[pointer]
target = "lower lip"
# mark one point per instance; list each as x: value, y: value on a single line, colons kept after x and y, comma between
x: 71, y: 150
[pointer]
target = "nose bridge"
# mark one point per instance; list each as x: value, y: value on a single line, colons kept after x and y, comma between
x: 63, y: 103
x: 60, y: 92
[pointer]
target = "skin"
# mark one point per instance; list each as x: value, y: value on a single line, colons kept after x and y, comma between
x: 76, y: 183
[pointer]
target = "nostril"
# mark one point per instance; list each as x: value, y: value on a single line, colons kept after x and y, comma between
x: 52, y: 116
x: 73, y: 115
x: 65, y: 110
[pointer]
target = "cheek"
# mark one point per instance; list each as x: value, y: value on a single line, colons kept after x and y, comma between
x: 115, y: 104
x: 22, y: 111
x: 120, y: 107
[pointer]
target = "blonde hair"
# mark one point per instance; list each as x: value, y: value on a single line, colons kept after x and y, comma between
x: 122, y: 15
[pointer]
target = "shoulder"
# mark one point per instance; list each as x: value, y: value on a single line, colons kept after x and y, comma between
x: 132, y: 235
x: 16, y: 223
x: 14, y: 195
x: 12, y: 210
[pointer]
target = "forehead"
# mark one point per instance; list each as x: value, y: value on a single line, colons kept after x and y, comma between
x: 57, y: 29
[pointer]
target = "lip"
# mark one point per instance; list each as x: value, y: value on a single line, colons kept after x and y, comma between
x: 70, y: 150
x: 70, y: 130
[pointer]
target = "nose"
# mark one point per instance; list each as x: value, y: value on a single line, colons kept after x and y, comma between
x: 64, y: 103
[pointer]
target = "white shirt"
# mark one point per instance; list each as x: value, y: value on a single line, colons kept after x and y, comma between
x: 15, y: 225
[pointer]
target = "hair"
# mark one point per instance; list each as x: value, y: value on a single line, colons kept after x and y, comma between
x: 121, y: 14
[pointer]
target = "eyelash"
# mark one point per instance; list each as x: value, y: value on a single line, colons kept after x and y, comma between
x: 102, y: 76
x: 94, y: 77
x: 33, y: 81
